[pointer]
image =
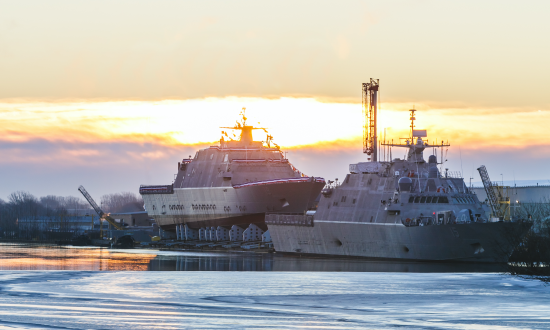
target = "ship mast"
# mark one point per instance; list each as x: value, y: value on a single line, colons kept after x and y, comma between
x: 245, y: 139
x: 370, y: 109
x: 413, y: 118
x: 416, y: 147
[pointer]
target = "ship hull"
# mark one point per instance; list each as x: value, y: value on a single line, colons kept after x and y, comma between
x: 228, y: 206
x: 476, y: 242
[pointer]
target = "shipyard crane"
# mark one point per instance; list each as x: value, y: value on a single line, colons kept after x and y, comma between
x: 500, y: 205
x: 370, y: 109
x: 102, y: 215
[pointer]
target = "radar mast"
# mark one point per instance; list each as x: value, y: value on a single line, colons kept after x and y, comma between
x: 245, y: 139
x: 370, y: 110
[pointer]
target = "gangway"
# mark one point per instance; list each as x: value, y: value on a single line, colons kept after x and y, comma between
x: 99, y: 211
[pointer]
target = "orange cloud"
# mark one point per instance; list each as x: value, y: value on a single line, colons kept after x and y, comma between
x: 294, y: 122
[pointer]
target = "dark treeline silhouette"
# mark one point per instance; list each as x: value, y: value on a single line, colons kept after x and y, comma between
x: 23, y: 215
x: 532, y: 256
x: 69, y: 202
x: 121, y: 202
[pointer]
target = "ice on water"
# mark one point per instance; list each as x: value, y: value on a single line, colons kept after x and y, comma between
x: 270, y: 300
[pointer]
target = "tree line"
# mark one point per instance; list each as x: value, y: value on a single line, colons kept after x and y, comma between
x: 23, y: 215
x: 122, y: 202
x: 532, y: 256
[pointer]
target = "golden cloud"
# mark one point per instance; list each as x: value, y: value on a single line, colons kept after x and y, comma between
x: 295, y: 122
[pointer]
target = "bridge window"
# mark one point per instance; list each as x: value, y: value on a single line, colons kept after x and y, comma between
x: 411, y: 199
x: 429, y: 199
x: 434, y: 199
x: 417, y: 199
x: 443, y: 199
x: 423, y: 199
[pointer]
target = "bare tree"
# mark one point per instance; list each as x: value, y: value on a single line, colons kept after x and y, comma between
x: 51, y: 201
x: 539, y: 213
x: 532, y: 256
x: 24, y: 203
x: 122, y: 202
x: 69, y: 202
x: 24, y: 216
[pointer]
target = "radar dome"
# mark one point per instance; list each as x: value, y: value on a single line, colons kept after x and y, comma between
x: 405, y: 184
x: 432, y: 159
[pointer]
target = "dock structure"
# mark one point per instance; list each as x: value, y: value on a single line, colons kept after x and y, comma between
x: 211, y: 238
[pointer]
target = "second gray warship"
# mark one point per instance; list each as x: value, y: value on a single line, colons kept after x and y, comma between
x: 225, y: 190
x: 398, y: 208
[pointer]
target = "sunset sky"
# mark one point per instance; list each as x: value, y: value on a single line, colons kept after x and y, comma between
x: 112, y: 94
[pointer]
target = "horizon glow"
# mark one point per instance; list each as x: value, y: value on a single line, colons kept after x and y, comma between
x: 113, y: 94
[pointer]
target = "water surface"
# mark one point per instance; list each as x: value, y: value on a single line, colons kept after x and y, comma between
x: 67, y: 290
x: 51, y: 257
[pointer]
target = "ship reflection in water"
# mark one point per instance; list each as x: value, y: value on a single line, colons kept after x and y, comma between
x: 280, y: 263
x: 43, y: 257
x: 48, y: 257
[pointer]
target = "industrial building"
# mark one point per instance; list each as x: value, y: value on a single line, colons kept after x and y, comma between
x: 133, y: 219
x: 523, y: 194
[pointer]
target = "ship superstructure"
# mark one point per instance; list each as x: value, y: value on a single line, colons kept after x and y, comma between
x: 398, y: 208
x: 226, y: 189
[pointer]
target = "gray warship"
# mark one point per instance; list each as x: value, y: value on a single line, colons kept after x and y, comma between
x: 398, y: 208
x: 226, y: 189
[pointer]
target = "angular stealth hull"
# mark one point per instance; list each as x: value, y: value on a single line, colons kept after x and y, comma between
x: 474, y: 242
x: 228, y: 206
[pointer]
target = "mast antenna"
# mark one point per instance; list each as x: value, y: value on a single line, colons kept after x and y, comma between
x: 370, y: 109
x: 413, y: 118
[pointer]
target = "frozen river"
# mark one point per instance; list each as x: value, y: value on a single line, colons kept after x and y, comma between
x: 379, y: 296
